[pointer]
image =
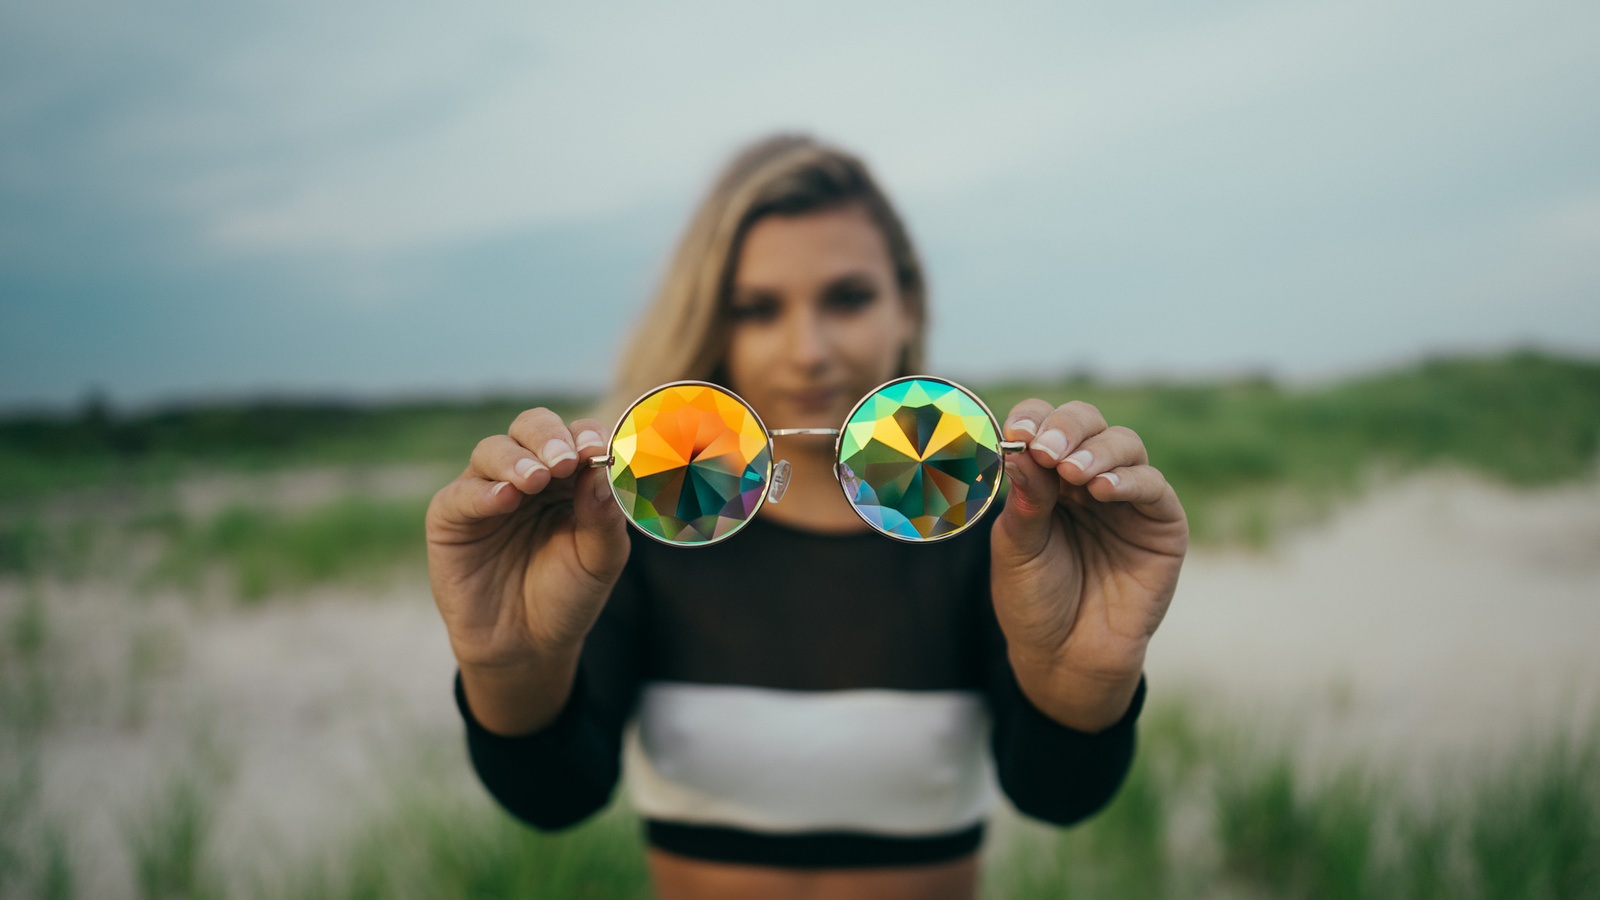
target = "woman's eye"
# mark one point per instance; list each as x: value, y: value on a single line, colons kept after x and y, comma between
x: 753, y: 311
x: 850, y: 298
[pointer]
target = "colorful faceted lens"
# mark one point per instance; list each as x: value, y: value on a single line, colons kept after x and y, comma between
x: 920, y: 459
x: 690, y: 464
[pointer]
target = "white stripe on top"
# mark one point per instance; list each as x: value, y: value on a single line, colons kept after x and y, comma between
x: 905, y: 763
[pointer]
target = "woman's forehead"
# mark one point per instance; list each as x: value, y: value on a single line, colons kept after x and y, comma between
x: 786, y: 250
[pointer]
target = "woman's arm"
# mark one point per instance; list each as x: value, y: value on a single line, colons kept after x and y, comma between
x: 1052, y: 772
x: 523, y: 549
x: 1085, y: 560
x: 1049, y: 770
x: 567, y: 770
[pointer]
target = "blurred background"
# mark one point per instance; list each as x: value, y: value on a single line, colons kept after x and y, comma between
x: 268, y: 272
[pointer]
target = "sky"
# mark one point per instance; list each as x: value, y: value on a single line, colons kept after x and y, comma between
x: 378, y: 199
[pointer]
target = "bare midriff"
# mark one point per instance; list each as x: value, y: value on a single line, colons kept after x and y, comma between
x: 681, y: 878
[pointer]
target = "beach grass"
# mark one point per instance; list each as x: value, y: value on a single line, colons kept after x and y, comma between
x: 1246, y: 817
x: 1210, y: 809
x: 46, y: 454
x: 35, y: 857
x: 1248, y: 457
x: 266, y: 552
x: 459, y: 850
x: 1247, y: 454
x: 1215, y: 806
x: 1525, y: 417
x: 169, y: 841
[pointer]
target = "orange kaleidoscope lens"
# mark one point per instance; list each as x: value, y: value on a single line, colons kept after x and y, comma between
x: 690, y: 463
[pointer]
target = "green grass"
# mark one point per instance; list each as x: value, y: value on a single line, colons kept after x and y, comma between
x: 42, y: 455
x: 35, y: 859
x: 1525, y: 417
x: 30, y: 548
x: 1246, y: 457
x: 27, y: 701
x: 168, y: 840
x: 454, y: 850
x: 1237, y: 450
x: 1210, y: 809
x: 257, y: 550
x: 1294, y: 842
x: 1528, y: 828
x: 1535, y: 830
x: 265, y: 552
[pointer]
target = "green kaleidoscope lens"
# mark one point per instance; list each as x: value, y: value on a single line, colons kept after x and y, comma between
x: 919, y: 459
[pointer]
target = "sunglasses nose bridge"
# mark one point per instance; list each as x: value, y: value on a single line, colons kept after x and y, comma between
x: 787, y: 432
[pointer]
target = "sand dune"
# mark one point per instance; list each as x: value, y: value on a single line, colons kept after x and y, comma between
x: 1437, y: 615
x: 1440, y: 615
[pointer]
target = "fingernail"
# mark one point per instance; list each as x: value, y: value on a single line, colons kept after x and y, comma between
x: 602, y: 486
x: 1111, y: 477
x: 589, y: 439
x: 499, y: 487
x: 1053, y: 443
x: 1014, y: 472
x: 1027, y: 426
x: 1083, y: 459
x: 557, y: 451
x: 527, y: 467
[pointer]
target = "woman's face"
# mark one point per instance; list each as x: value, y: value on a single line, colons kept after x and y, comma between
x: 818, y: 320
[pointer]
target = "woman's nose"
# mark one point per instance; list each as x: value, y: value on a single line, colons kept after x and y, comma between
x: 808, y: 344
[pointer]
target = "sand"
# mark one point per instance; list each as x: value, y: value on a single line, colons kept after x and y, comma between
x: 1438, y: 617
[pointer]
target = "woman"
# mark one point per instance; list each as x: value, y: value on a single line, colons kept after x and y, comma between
x: 819, y: 708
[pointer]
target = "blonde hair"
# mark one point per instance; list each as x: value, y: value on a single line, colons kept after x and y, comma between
x: 684, y: 332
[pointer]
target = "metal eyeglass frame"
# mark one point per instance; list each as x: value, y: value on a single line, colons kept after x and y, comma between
x: 778, y: 469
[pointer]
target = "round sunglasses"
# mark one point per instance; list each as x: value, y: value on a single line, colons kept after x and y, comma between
x: 919, y: 459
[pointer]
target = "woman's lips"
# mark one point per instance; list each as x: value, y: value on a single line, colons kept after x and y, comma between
x: 814, y: 400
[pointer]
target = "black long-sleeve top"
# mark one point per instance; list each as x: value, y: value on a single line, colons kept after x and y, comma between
x: 803, y: 699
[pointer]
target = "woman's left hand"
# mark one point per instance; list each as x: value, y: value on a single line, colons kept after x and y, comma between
x: 1085, y: 560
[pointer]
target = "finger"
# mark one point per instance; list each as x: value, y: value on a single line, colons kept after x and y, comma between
x: 1065, y: 428
x: 1023, y: 528
x: 1143, y: 485
x: 460, y: 507
x: 1023, y: 422
x: 1110, y: 449
x: 543, y: 432
x: 499, y: 458
x: 601, y: 527
x: 1034, y: 488
x: 588, y: 438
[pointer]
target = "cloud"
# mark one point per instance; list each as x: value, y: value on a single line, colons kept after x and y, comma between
x: 1251, y: 183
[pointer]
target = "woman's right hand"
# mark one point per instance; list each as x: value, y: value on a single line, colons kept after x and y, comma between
x: 523, y: 549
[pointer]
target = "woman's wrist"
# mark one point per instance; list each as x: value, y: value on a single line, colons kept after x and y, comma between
x: 1085, y: 702
x: 519, y: 698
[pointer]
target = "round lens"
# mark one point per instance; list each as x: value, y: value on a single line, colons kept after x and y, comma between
x: 690, y: 463
x: 919, y: 459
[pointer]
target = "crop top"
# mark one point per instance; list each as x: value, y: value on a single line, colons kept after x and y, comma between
x: 799, y: 699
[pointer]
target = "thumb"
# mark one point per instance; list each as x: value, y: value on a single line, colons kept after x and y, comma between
x: 601, y: 531
x: 1023, y: 528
